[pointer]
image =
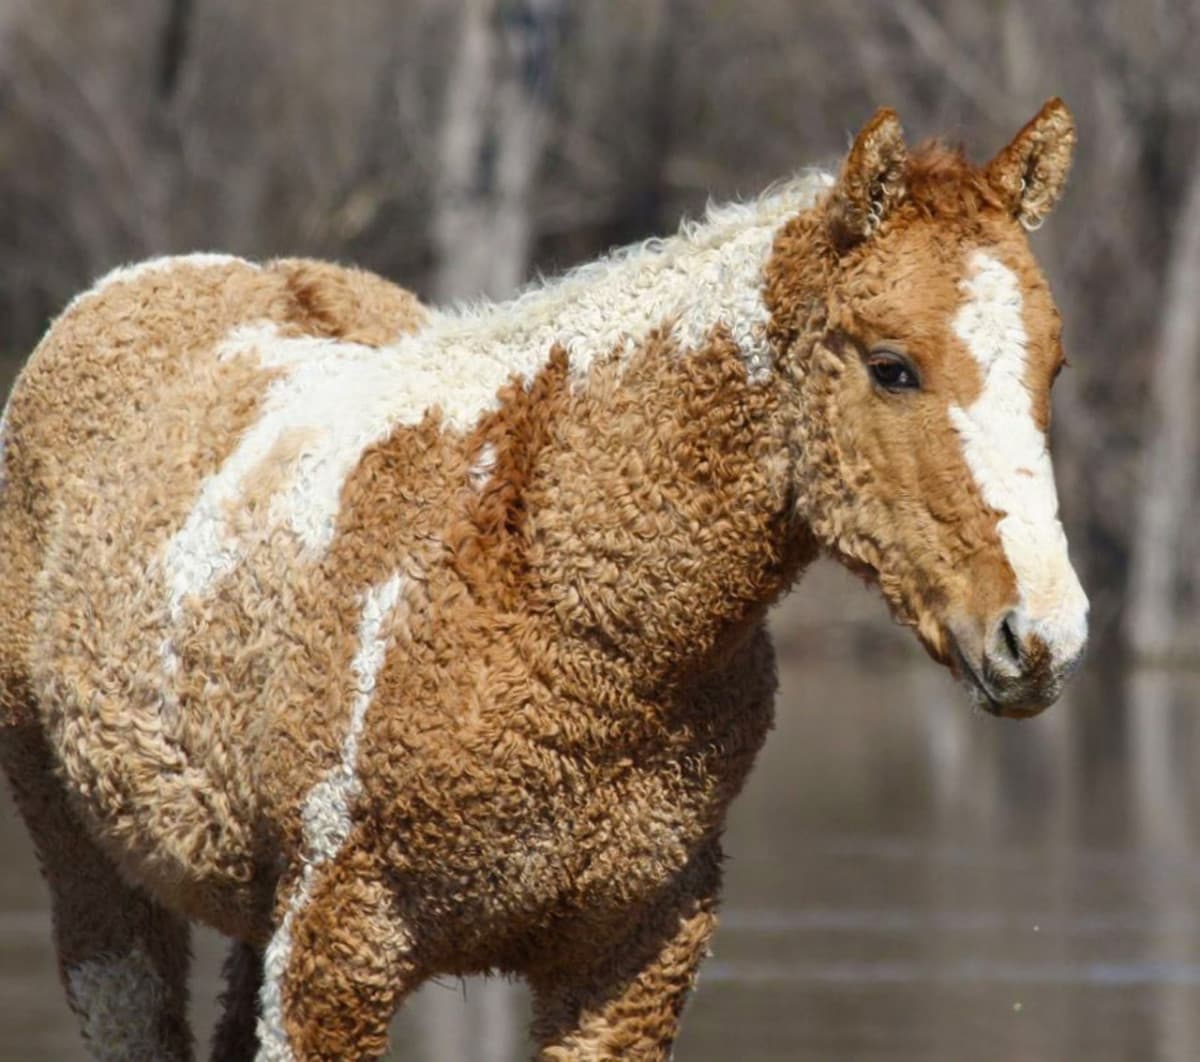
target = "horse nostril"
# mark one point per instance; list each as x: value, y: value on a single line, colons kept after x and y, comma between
x: 1008, y: 640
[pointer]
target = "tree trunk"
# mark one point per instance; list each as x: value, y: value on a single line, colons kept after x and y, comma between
x: 1160, y: 565
x: 493, y: 133
x: 174, y: 46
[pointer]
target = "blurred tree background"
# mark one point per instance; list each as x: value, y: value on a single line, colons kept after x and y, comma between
x: 459, y: 147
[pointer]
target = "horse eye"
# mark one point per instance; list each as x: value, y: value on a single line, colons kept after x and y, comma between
x: 892, y: 371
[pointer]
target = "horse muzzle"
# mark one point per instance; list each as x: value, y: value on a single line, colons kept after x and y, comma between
x: 1016, y: 665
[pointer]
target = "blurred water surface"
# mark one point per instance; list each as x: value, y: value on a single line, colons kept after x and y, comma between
x: 908, y: 879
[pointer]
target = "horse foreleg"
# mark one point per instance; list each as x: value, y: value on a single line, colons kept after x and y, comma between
x: 336, y: 969
x: 626, y: 1004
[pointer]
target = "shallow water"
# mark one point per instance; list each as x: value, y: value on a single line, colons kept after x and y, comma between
x: 907, y: 880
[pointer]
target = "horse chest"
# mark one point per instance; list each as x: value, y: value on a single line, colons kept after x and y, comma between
x: 508, y: 832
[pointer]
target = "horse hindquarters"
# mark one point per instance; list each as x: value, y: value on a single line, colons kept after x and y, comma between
x: 122, y: 958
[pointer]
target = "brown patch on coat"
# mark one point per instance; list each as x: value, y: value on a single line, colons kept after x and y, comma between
x: 341, y: 1010
x: 489, y: 548
x: 671, y: 470
x: 477, y: 708
x: 348, y: 304
x: 636, y: 1014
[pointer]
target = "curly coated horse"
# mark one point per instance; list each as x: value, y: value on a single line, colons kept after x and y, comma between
x: 396, y: 642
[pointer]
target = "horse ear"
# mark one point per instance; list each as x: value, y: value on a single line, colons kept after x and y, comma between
x: 871, y: 182
x: 1031, y: 172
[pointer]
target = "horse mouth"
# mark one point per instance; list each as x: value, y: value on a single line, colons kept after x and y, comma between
x: 985, y: 695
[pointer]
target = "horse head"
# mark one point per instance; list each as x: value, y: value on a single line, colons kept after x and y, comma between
x: 922, y: 341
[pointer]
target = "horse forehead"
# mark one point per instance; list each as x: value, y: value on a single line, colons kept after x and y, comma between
x: 991, y: 318
x: 913, y: 270
x: 1004, y: 301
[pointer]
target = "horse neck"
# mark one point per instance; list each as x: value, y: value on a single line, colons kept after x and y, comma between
x: 658, y: 507
x: 660, y: 515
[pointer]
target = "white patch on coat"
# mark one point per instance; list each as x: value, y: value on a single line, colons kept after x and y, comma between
x: 326, y: 812
x: 326, y: 815
x: 1008, y: 456
x: 483, y: 466
x: 348, y: 396
x: 120, y: 1000
x: 345, y: 397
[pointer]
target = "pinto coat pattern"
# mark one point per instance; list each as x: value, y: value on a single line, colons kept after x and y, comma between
x: 395, y: 642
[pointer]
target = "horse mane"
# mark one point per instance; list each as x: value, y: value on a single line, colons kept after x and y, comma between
x: 719, y: 222
x: 710, y: 268
x: 943, y: 183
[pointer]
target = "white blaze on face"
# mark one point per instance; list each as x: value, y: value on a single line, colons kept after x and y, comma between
x: 1008, y: 455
